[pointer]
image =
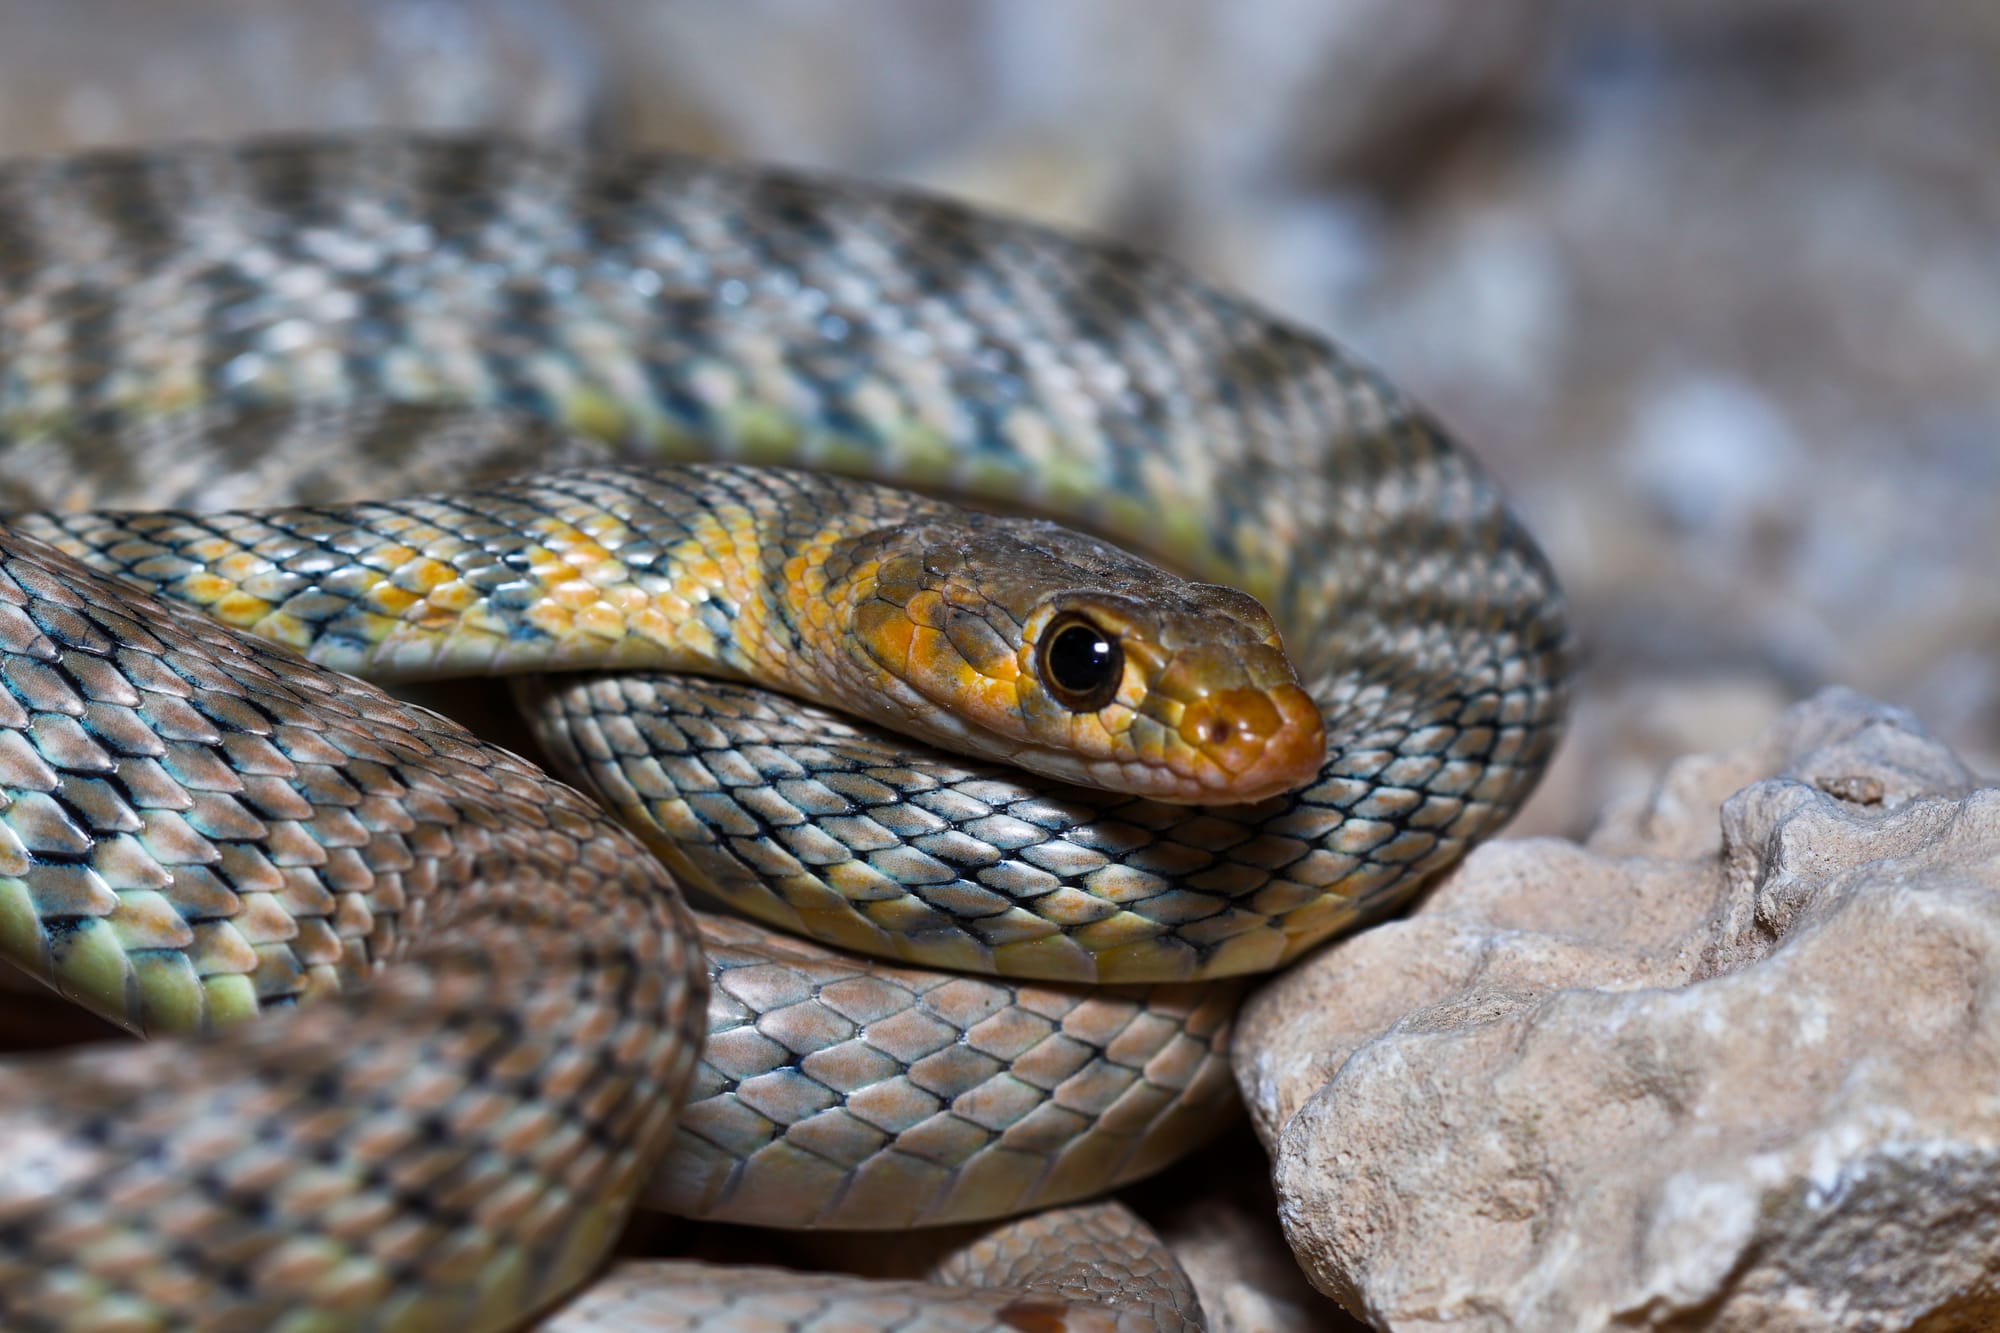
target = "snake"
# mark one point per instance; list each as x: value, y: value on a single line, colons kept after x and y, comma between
x: 1002, y: 813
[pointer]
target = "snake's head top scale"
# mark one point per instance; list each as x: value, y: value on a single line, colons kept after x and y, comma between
x: 1030, y: 643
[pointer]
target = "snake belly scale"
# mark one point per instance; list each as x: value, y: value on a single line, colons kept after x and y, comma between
x: 455, y: 1140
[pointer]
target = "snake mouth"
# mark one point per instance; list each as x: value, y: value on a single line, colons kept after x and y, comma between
x: 1230, y: 747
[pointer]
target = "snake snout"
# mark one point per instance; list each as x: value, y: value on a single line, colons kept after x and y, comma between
x: 1258, y: 742
x: 1244, y: 729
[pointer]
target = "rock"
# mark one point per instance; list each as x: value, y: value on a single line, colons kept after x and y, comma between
x: 1217, y: 1213
x: 1736, y: 1073
x: 1247, y: 1279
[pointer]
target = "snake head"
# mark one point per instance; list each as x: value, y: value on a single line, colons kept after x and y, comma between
x: 1027, y: 642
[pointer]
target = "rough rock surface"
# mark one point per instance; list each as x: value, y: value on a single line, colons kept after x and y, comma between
x: 1733, y: 1073
x: 1224, y: 1230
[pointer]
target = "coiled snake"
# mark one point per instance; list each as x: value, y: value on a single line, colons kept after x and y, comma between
x: 200, y: 827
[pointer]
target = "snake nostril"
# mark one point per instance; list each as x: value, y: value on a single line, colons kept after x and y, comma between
x: 1215, y: 731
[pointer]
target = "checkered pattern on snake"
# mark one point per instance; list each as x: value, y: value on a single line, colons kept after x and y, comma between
x: 456, y: 1140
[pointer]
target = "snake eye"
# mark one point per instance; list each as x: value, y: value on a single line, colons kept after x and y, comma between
x: 1080, y: 664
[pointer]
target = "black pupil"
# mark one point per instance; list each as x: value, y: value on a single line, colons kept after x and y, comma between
x: 1082, y: 661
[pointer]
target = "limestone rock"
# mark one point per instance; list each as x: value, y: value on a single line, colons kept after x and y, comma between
x: 1217, y: 1213
x: 1733, y: 1073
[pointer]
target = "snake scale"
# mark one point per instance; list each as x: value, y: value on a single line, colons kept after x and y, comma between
x: 201, y: 826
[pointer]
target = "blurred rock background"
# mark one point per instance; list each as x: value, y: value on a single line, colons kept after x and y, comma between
x: 1714, y: 285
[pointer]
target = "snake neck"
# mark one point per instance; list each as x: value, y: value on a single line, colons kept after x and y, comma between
x: 717, y: 571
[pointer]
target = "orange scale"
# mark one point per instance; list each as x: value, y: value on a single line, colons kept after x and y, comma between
x: 241, y: 565
x: 652, y: 626
x: 602, y: 621
x: 204, y: 589
x: 390, y: 599
x: 892, y: 636
x: 986, y: 700
x: 454, y: 596
x: 550, y: 618
x: 584, y: 554
x: 576, y: 594
x: 423, y: 574
x: 606, y: 573
x: 240, y: 609
x: 208, y: 550
x: 285, y: 628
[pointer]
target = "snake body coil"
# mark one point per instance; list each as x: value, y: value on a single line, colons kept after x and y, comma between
x: 201, y: 828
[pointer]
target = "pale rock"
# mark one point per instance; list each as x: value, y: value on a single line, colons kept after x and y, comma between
x: 1247, y: 1279
x: 1217, y: 1213
x: 1736, y: 1072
